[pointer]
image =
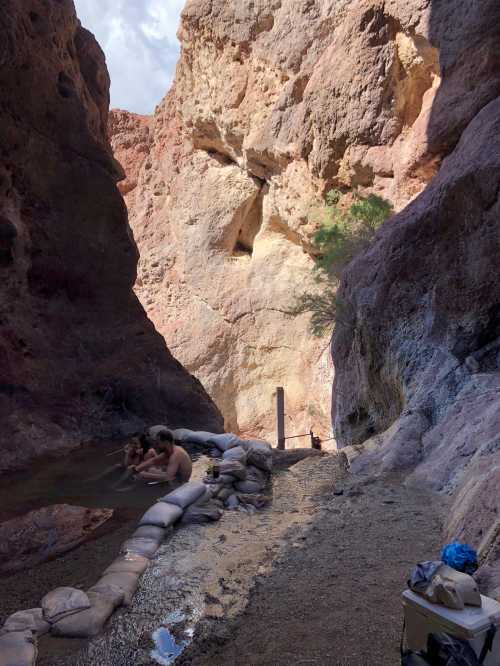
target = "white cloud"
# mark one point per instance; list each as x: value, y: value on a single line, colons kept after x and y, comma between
x: 139, y: 40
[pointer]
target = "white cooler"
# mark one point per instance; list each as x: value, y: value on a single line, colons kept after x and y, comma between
x: 472, y: 623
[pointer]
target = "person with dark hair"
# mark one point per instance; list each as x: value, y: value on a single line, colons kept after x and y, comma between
x: 171, y: 463
x: 138, y: 450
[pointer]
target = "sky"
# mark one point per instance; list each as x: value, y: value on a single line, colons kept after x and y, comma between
x: 138, y: 38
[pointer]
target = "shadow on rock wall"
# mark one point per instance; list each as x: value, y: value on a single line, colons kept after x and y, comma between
x: 418, y: 364
x: 78, y: 357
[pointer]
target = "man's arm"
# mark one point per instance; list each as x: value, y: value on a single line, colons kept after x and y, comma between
x: 172, y: 469
x: 151, y: 462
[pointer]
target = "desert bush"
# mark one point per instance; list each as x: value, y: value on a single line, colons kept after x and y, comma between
x: 343, y: 233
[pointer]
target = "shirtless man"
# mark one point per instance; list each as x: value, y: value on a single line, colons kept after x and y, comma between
x: 171, y: 464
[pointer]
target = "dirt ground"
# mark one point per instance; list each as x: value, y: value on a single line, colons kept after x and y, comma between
x: 334, y: 596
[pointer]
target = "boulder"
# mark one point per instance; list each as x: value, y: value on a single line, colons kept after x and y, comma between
x: 45, y: 533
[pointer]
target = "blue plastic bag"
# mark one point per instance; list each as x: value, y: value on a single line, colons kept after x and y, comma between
x: 460, y: 556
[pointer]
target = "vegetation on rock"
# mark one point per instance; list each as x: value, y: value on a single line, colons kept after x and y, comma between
x: 343, y: 233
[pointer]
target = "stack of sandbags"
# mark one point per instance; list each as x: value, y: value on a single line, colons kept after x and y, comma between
x: 195, y: 500
x: 244, y: 471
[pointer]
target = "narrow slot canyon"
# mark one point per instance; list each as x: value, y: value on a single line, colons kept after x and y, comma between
x: 249, y: 332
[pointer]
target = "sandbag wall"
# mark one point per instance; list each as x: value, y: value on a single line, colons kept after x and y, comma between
x: 245, y: 469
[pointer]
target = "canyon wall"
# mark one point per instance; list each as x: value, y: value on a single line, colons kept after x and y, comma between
x: 275, y: 102
x: 418, y: 359
x: 78, y: 357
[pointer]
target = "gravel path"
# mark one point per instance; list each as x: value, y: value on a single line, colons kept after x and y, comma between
x: 334, y: 596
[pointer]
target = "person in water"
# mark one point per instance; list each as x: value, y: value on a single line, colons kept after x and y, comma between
x: 138, y: 451
x: 171, y: 463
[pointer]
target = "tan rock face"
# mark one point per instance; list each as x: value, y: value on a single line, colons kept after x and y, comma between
x: 78, y: 356
x: 272, y: 106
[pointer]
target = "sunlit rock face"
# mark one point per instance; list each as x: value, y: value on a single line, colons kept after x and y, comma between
x: 275, y: 103
x: 418, y: 363
x: 78, y: 356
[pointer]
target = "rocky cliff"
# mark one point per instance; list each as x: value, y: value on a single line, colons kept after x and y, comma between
x: 418, y: 361
x: 78, y: 356
x: 273, y: 105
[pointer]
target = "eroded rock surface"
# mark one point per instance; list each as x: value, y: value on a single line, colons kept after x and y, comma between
x: 418, y: 364
x: 78, y: 356
x: 273, y: 105
x: 43, y: 534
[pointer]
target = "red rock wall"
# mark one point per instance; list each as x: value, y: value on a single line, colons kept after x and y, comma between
x: 78, y: 356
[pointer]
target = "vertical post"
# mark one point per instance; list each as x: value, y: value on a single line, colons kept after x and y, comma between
x: 280, y: 417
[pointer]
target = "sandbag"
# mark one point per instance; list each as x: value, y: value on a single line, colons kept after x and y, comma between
x: 63, y: 601
x: 249, y: 487
x: 237, y: 454
x: 206, y: 497
x: 186, y: 495
x: 194, y: 436
x: 198, y: 515
x: 129, y: 563
x: 18, y: 648
x: 228, y: 479
x: 141, y: 546
x: 258, y: 501
x: 225, y: 492
x: 27, y: 620
x: 256, y: 474
x: 224, y: 442
x: 259, y: 454
x: 125, y: 581
x: 153, y: 432
x: 161, y: 514
x: 150, y: 532
x: 182, y: 435
x: 232, y: 502
x: 90, y: 622
x: 233, y: 468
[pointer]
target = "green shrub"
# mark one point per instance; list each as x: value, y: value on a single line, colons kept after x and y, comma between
x: 343, y: 233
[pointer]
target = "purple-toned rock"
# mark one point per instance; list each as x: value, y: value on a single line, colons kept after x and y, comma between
x: 43, y: 534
